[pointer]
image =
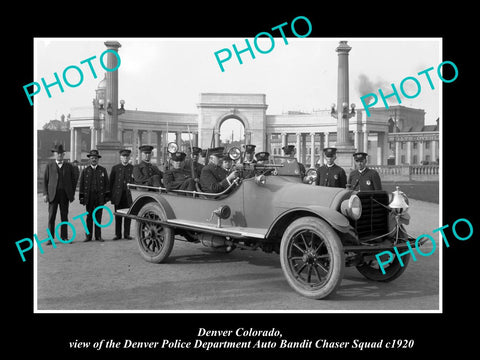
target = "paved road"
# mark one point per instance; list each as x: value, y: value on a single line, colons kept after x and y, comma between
x: 112, y: 276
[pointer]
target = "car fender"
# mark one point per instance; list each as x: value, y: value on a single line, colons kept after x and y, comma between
x: 335, y: 219
x: 143, y: 199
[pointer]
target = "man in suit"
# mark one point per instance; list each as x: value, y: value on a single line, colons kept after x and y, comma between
x: 178, y: 177
x: 121, y: 197
x: 146, y: 173
x: 215, y: 179
x: 59, y: 187
x: 94, y: 191
x: 363, y: 178
x: 330, y: 174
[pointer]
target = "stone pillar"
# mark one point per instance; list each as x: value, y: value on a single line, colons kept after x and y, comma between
x: 78, y: 143
x: 397, y: 152
x: 284, y: 139
x: 356, y: 144
x: 297, y: 146
x: 312, y: 149
x: 135, y: 152
x: 342, y: 95
x: 72, y: 144
x: 409, y: 153
x: 420, y: 151
x: 434, y: 150
x: 365, y: 141
x: 110, y: 146
x: 327, y: 140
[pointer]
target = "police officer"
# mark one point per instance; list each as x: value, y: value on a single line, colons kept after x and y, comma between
x: 330, y: 174
x: 194, y: 158
x: 289, y: 150
x: 94, y: 191
x: 262, y: 157
x: 178, y: 177
x: 214, y: 178
x: 146, y: 173
x: 249, y: 154
x: 363, y: 178
x: 121, y: 198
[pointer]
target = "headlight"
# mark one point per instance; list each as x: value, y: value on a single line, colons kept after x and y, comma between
x: 172, y: 147
x: 234, y: 153
x: 352, y: 207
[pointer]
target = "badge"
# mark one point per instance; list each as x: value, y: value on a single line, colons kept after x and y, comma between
x: 335, y: 177
x: 369, y: 182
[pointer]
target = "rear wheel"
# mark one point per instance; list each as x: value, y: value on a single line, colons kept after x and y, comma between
x: 312, y: 257
x: 155, y: 241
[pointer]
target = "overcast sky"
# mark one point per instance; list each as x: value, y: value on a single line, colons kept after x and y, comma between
x: 168, y: 75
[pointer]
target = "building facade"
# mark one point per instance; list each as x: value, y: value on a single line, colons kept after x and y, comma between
x: 393, y: 136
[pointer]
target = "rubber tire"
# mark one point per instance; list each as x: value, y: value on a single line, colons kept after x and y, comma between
x: 168, y: 235
x: 335, y: 250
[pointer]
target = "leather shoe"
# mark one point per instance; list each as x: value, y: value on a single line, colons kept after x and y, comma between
x: 116, y: 237
x: 128, y: 237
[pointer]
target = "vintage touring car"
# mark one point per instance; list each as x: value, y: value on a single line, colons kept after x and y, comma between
x: 316, y: 230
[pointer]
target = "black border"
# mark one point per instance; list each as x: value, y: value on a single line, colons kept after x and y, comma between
x: 433, y: 333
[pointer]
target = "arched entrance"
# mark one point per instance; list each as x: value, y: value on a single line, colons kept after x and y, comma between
x: 232, y: 133
x: 216, y: 108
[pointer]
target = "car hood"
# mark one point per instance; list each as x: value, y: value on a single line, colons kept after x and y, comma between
x: 296, y: 194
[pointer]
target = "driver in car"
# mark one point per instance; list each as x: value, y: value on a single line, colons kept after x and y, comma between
x: 215, y: 179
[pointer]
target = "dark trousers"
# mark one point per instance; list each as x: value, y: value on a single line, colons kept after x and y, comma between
x: 118, y: 224
x: 91, y: 206
x: 62, y: 200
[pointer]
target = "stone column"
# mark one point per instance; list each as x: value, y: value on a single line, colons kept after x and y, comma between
x: 72, y: 144
x: 284, y: 139
x: 78, y: 143
x: 434, y: 150
x: 342, y: 95
x: 397, y: 152
x: 327, y: 140
x: 420, y: 151
x: 409, y: 153
x: 357, y: 139
x: 365, y: 141
x: 110, y: 146
x: 135, y: 146
x: 312, y: 149
x: 297, y: 146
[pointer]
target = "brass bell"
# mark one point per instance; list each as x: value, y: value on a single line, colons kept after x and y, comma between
x: 399, y: 202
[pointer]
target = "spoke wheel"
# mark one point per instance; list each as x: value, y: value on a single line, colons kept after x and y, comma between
x: 312, y: 257
x: 155, y: 242
x: 370, y: 268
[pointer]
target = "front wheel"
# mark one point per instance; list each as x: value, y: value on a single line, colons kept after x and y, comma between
x: 155, y: 241
x: 312, y: 257
x: 370, y: 268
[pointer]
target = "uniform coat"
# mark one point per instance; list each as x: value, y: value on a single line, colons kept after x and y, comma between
x: 145, y: 172
x: 333, y: 176
x: 197, y: 167
x: 213, y: 179
x: 94, y: 181
x: 59, y: 186
x: 121, y: 197
x: 365, y: 180
x: 94, y: 191
x: 179, y: 179
x: 120, y: 176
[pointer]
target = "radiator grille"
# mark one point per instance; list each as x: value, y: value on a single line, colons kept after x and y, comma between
x: 374, y: 219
